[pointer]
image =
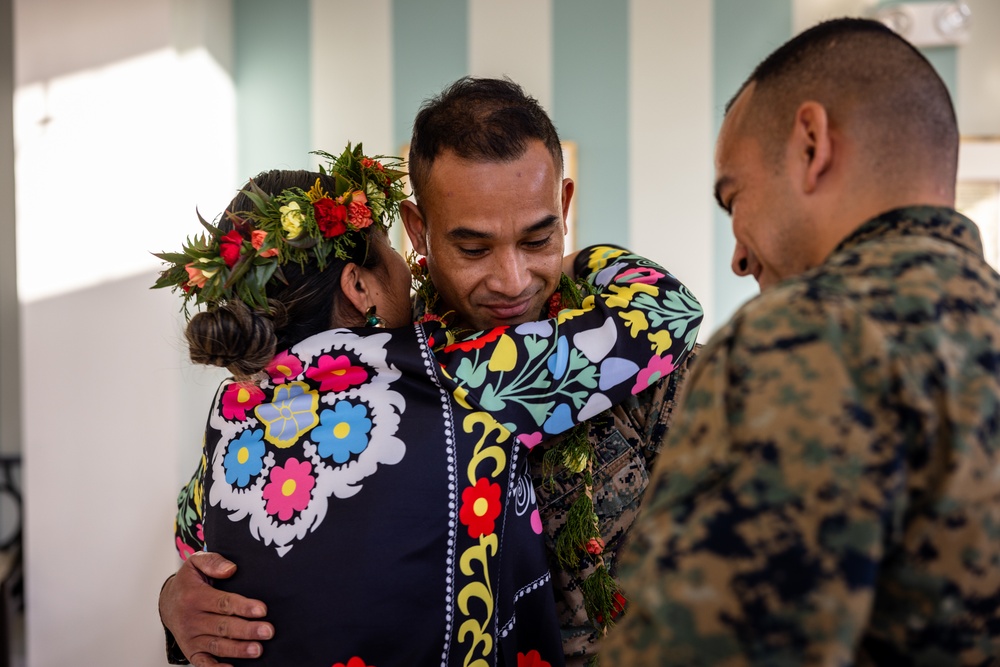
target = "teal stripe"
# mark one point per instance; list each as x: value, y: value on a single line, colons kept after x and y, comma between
x: 744, y: 34
x: 273, y: 92
x: 590, y: 100
x: 430, y: 50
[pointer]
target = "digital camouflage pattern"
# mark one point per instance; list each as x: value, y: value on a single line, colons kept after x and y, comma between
x: 626, y: 441
x: 829, y: 493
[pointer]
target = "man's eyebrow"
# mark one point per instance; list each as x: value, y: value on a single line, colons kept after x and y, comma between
x: 719, y: 185
x: 467, y: 234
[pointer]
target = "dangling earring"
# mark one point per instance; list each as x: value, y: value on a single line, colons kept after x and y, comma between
x: 373, y: 320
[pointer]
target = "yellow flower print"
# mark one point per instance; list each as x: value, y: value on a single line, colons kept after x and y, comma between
x: 292, y: 219
x: 601, y: 256
x: 661, y: 341
x: 460, y: 395
x: 504, y: 356
x: 289, y: 415
x: 624, y: 295
x: 570, y: 313
x: 636, y: 320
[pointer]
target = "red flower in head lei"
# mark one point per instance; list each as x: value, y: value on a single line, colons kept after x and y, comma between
x: 294, y: 225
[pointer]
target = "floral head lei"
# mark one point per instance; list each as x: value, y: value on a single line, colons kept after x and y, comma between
x: 293, y: 226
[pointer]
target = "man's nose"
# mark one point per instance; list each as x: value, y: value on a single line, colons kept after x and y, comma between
x: 741, y: 260
x: 509, y: 276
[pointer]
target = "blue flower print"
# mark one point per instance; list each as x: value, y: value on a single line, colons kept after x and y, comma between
x: 343, y: 431
x: 244, y: 457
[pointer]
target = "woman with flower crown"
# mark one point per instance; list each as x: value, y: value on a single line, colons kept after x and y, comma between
x: 367, y: 474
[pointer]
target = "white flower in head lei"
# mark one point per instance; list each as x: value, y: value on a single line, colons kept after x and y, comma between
x: 293, y: 226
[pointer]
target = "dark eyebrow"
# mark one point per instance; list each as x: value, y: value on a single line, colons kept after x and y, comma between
x: 466, y: 234
x: 719, y: 184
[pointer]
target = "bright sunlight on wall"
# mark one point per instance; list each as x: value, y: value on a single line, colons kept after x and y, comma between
x: 110, y: 163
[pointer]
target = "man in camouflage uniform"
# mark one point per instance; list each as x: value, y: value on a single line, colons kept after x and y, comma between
x: 486, y: 168
x: 829, y: 493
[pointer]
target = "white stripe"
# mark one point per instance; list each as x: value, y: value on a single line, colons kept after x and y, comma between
x: 352, y: 75
x: 671, y: 141
x: 513, y: 38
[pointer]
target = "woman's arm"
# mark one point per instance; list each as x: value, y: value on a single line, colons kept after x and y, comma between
x: 542, y: 378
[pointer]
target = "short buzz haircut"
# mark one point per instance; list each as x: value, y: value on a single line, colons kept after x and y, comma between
x: 488, y: 120
x: 872, y: 82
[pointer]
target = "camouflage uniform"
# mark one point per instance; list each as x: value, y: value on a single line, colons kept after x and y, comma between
x: 830, y: 491
x: 626, y: 440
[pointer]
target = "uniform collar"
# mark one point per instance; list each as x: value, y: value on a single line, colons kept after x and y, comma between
x: 944, y: 223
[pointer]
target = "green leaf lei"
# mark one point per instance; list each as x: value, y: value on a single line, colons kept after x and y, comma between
x: 579, y: 543
x: 292, y: 226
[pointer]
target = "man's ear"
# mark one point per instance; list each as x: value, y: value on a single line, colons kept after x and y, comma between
x: 355, y: 288
x: 568, y: 188
x: 413, y: 222
x: 811, y: 146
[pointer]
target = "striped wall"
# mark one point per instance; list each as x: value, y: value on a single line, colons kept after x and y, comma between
x: 637, y: 85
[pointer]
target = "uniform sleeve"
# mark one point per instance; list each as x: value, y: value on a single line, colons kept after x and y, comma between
x: 654, y: 409
x: 542, y: 378
x: 762, y: 529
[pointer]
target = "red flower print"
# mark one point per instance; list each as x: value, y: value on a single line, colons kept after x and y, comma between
x: 238, y: 398
x: 353, y: 662
x: 336, y: 373
x: 183, y: 549
x: 284, y: 367
x: 290, y: 489
x: 480, y: 507
x: 531, y: 659
x: 330, y: 217
x: 229, y: 247
x: 477, y: 343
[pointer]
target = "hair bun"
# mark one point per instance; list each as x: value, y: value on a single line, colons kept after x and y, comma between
x: 234, y: 337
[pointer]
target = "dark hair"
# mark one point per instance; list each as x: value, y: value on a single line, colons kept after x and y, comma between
x: 490, y: 120
x: 869, y: 79
x: 244, y: 340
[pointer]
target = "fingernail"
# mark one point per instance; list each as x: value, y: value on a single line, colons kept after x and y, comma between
x: 254, y: 650
x: 265, y: 632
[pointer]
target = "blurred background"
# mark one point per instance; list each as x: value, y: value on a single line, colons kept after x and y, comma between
x: 127, y: 115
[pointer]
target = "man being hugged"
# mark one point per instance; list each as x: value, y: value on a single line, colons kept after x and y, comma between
x: 490, y: 217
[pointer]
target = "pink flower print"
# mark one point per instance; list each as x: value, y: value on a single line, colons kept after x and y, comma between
x: 183, y: 549
x: 336, y: 373
x: 658, y: 367
x: 238, y: 398
x: 283, y: 367
x: 646, y: 275
x: 200, y: 533
x: 290, y: 489
x: 529, y: 440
